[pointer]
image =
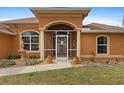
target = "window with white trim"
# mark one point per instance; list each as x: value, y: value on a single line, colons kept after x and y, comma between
x: 31, y: 40
x: 102, y: 45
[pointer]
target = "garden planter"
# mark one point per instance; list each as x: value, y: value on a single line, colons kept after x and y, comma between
x: 75, y: 60
x: 49, y: 59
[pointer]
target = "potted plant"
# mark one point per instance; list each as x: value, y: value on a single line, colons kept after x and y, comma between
x: 75, y: 60
x: 49, y: 59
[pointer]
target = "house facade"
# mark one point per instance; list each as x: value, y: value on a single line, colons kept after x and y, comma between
x: 60, y: 32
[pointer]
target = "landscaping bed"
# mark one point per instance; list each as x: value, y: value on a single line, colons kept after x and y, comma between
x: 16, y: 61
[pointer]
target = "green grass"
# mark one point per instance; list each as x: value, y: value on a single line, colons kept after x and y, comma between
x: 80, y: 75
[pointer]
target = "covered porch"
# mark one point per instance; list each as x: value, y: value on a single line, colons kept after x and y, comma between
x: 60, y: 40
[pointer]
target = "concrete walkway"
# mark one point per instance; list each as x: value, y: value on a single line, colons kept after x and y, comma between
x: 35, y: 68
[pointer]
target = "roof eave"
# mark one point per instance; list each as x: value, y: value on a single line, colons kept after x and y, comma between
x: 83, y: 11
x: 101, y: 31
x: 17, y: 23
x: 7, y: 32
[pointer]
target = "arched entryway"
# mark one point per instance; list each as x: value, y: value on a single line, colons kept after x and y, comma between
x: 60, y: 41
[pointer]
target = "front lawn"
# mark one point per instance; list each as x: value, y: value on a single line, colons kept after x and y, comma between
x: 80, y: 75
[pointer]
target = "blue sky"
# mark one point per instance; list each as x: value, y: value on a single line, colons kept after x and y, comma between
x: 111, y: 16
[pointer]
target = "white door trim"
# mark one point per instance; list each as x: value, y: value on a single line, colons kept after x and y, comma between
x: 62, y: 58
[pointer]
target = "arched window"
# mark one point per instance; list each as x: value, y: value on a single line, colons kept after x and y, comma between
x: 31, y: 40
x: 102, y: 43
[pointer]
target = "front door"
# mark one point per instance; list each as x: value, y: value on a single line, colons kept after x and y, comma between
x: 61, y: 47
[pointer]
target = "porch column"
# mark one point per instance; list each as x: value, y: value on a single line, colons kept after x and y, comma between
x: 42, y: 44
x: 78, y: 42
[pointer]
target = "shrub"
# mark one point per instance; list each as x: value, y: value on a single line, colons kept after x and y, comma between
x: 34, y: 57
x: 33, y: 61
x: 108, y: 61
x: 6, y: 63
x: 13, y: 57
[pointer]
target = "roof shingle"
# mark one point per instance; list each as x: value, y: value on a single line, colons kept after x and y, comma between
x: 21, y: 21
x: 98, y: 26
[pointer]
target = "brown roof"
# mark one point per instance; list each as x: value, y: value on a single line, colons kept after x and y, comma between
x: 21, y: 21
x: 98, y: 26
x: 5, y: 30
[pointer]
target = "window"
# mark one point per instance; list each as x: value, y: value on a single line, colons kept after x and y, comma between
x: 102, y: 45
x: 31, y: 41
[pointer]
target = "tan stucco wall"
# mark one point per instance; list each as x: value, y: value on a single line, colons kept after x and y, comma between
x: 88, y: 43
x: 117, y: 44
x: 45, y: 19
x: 5, y: 45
